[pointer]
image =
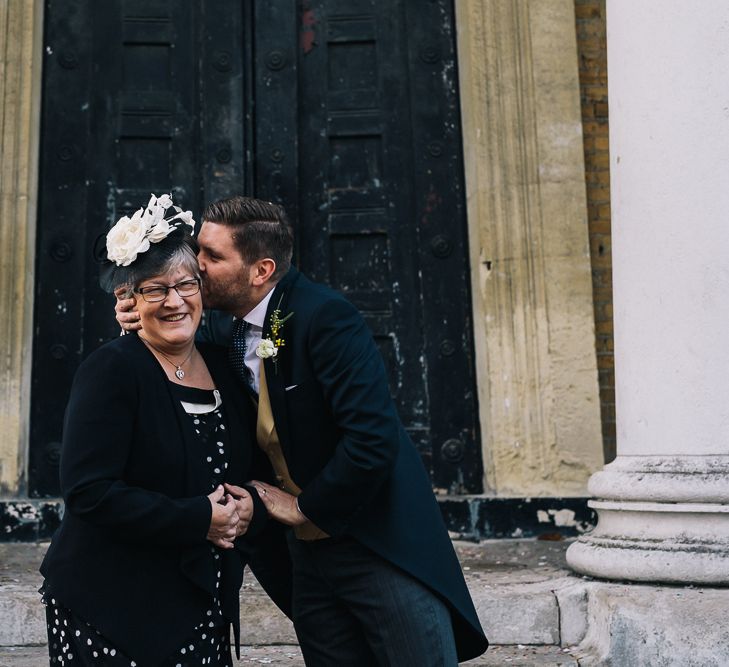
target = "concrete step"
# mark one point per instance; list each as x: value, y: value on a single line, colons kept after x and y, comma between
x: 521, y: 656
x: 521, y: 588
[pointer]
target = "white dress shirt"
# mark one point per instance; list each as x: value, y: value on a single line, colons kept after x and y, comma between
x: 257, y: 319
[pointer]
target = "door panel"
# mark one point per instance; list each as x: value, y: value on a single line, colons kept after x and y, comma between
x: 374, y: 169
x: 139, y: 96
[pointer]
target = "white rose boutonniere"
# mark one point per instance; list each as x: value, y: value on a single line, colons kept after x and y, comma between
x: 266, y: 349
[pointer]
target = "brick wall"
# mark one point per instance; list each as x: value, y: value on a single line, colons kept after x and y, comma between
x: 591, y: 51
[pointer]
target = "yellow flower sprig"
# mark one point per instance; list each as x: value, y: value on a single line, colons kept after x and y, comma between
x: 277, y: 323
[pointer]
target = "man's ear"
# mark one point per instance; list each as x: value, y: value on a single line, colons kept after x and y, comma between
x: 263, y: 269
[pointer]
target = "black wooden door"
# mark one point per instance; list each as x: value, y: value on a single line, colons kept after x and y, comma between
x: 139, y: 96
x: 346, y: 112
x: 369, y: 161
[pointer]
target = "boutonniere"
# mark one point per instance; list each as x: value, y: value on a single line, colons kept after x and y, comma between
x: 269, y: 346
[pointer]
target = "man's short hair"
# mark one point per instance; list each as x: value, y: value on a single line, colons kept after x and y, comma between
x: 260, y: 229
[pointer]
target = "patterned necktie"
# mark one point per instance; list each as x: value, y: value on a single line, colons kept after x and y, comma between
x: 237, y: 353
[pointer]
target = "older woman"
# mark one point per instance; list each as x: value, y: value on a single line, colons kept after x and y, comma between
x: 144, y: 568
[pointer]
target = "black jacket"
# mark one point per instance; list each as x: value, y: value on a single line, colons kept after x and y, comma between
x: 345, y: 446
x: 131, y: 556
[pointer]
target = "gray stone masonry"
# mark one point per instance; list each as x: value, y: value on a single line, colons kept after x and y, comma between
x: 534, y: 610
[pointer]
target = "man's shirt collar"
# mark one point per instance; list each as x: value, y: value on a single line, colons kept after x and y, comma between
x: 257, y: 316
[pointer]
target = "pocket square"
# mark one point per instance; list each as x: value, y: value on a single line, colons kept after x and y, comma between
x: 293, y: 386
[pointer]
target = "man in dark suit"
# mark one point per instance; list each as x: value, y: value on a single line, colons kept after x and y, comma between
x: 375, y: 577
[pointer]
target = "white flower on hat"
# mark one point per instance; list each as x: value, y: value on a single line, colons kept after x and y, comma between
x: 159, y: 231
x: 165, y: 201
x: 126, y: 239
x: 185, y: 216
x: 131, y: 236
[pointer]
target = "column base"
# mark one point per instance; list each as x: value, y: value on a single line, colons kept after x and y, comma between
x: 643, y: 625
x: 683, y: 538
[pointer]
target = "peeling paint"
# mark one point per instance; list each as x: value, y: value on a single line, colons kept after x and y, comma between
x: 21, y: 511
x: 307, y: 35
x: 487, y: 518
x: 432, y: 201
x: 29, y: 521
x: 563, y: 517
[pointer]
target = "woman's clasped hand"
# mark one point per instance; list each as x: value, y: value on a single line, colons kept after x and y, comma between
x: 230, y: 518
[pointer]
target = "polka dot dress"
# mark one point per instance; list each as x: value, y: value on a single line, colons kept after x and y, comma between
x: 71, y: 641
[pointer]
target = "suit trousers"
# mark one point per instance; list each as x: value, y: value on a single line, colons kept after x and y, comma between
x: 352, y: 607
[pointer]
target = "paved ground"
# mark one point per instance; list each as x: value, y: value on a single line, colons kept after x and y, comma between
x: 512, y: 582
x: 526, y: 656
x: 501, y: 561
x: 529, y: 603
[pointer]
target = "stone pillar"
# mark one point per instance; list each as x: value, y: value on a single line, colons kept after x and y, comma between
x: 663, y: 504
x: 530, y: 265
x: 21, y: 35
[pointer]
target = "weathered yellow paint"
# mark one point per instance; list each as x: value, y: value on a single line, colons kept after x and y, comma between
x: 21, y: 30
x: 531, y: 281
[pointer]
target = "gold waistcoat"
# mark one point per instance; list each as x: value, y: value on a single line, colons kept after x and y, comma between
x: 268, y: 441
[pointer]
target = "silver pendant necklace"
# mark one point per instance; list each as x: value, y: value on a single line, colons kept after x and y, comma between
x: 178, y: 367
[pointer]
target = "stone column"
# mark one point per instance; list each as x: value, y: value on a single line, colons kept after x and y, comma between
x: 663, y: 504
x: 21, y: 34
x: 530, y: 264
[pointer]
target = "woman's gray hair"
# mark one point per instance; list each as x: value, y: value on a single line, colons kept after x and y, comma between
x: 182, y: 256
x: 175, y: 252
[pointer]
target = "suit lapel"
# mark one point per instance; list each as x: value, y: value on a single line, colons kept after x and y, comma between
x: 276, y: 372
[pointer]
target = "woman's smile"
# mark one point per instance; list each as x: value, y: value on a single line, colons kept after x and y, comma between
x: 174, y: 317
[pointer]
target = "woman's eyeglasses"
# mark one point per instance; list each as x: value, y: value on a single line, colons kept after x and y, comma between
x: 154, y: 293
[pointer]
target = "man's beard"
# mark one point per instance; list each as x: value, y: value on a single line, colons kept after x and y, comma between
x: 233, y: 296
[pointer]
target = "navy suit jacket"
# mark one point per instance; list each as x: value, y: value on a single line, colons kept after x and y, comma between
x: 346, y: 448
x: 131, y: 555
